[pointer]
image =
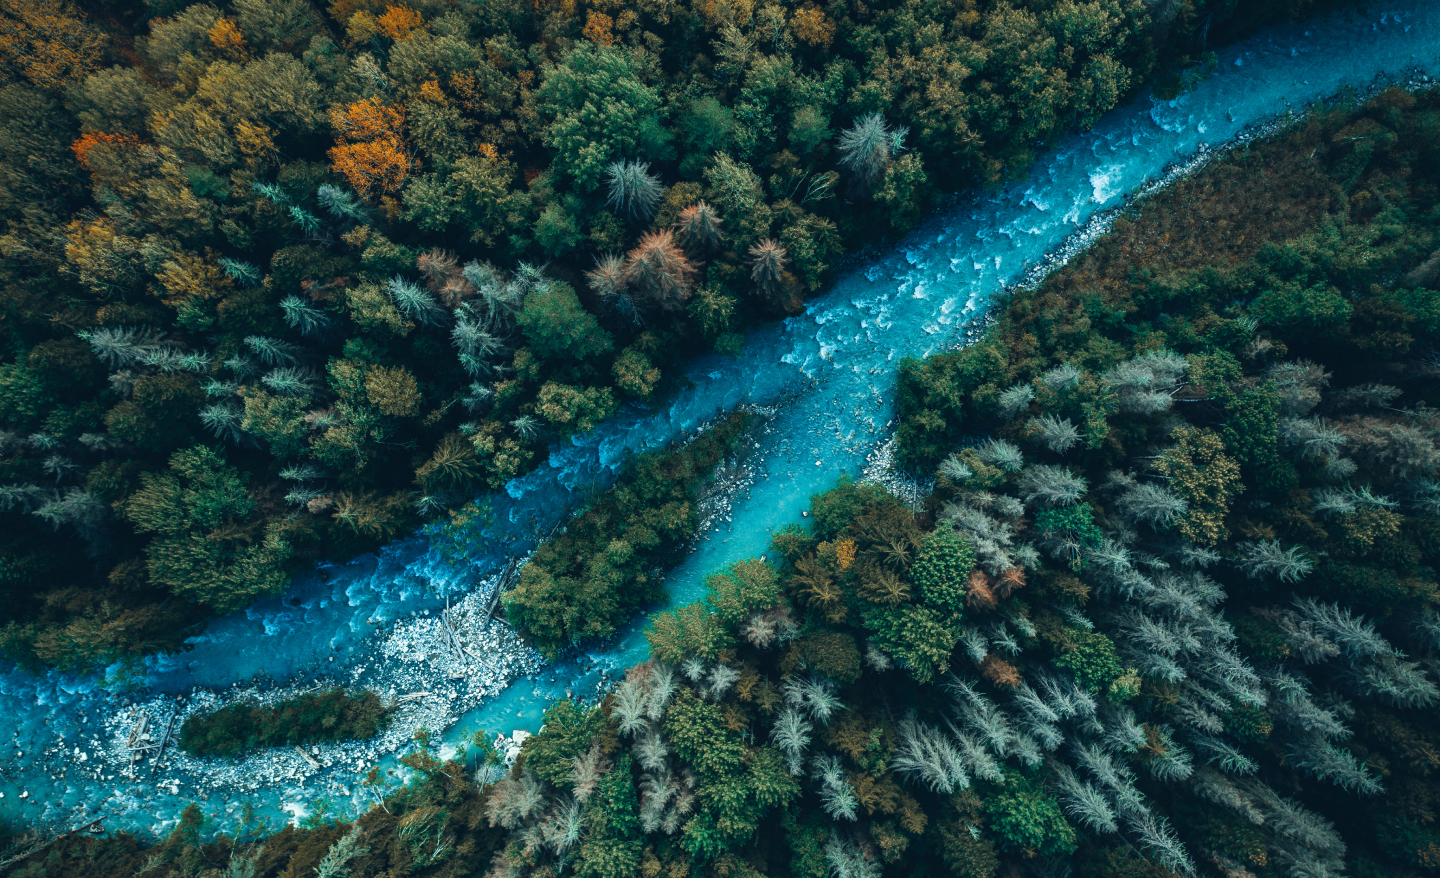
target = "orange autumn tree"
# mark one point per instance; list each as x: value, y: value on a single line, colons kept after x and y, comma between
x: 88, y: 142
x: 597, y: 29
x: 371, y: 154
x: 398, y: 22
x: 119, y: 162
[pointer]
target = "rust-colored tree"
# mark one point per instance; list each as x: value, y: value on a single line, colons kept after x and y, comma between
x: 658, y: 269
x: 608, y: 277
x: 700, y: 228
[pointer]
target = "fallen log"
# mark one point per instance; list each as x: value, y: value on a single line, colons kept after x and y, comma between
x: 314, y: 763
x: 164, y: 739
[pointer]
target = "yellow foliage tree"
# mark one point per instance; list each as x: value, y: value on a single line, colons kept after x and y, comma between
x: 185, y: 276
x: 226, y: 37
x: 393, y: 391
x: 49, y: 43
x: 812, y: 26
x: 1200, y: 471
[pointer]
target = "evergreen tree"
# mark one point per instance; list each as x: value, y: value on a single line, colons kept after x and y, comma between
x: 867, y: 146
x: 767, y: 264
x: 633, y: 189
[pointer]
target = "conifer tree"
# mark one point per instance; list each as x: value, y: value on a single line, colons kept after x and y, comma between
x: 700, y: 228
x: 633, y: 189
x: 658, y: 268
x: 767, y: 264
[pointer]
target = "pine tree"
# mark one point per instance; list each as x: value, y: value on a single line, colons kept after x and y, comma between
x: 223, y: 420
x: 1015, y: 400
x: 514, y: 799
x: 848, y: 861
x: 767, y: 264
x: 722, y: 677
x: 700, y: 228
x: 335, y: 863
x: 271, y: 192
x: 1168, y: 760
x: 1224, y: 755
x: 791, y: 733
x: 1051, y: 485
x: 80, y: 509
x: 1158, y: 837
x: 415, y: 303
x: 1146, y: 384
x: 307, y: 221
x: 475, y: 341
x: 171, y: 359
x: 815, y: 694
x: 1402, y: 683
x: 501, y: 296
x: 1353, y: 634
x: 1266, y: 558
x: 240, y: 271
x: 629, y: 707
x: 608, y: 277
x: 1084, y: 803
x: 662, y: 689
x: 927, y: 755
x: 836, y: 795
x: 1001, y: 454
x: 866, y: 148
x: 1152, y: 504
x: 290, y: 381
x: 1313, y: 437
x: 273, y: 351
x: 300, y: 472
x: 651, y: 749
x: 341, y: 204
x: 633, y: 189
x: 1323, y: 760
x: 304, y: 316
x: 120, y: 346
x: 1056, y: 434
x: 659, y: 270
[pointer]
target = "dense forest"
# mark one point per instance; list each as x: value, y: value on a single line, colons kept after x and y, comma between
x: 281, y: 281
x: 1174, y: 613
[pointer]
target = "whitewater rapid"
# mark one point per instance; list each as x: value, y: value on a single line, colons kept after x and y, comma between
x: 825, y: 381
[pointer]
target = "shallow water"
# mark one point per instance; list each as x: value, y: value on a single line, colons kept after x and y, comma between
x: 828, y: 374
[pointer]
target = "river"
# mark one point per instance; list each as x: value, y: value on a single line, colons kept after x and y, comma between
x: 824, y: 382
